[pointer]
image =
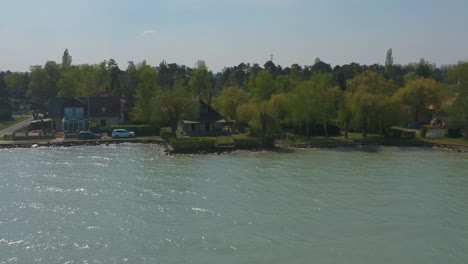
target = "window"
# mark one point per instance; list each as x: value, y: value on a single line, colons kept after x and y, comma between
x: 207, y: 127
x: 103, y: 123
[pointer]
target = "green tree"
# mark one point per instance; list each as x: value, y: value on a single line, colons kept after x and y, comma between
x: 229, y: 100
x: 458, y: 76
x: 66, y: 60
x: 43, y: 83
x: 301, y: 103
x: 325, y: 98
x: 201, y: 82
x: 144, y: 92
x: 368, y: 99
x: 389, y: 59
x: 262, y: 86
x: 69, y: 82
x: 416, y: 95
x: 172, y: 104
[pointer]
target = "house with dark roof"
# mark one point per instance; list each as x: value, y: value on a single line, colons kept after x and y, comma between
x: 71, y: 114
x: 207, y: 122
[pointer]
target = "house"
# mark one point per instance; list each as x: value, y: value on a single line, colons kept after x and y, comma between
x: 71, y: 114
x: 207, y: 122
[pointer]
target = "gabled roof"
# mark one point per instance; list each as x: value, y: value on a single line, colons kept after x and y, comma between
x: 206, y: 114
x: 97, y: 106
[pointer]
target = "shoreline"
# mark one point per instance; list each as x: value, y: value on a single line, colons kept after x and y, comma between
x: 281, y: 145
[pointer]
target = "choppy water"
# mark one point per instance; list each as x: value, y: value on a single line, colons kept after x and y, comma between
x: 133, y: 204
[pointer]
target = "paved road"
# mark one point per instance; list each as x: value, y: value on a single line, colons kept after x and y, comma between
x: 11, y: 129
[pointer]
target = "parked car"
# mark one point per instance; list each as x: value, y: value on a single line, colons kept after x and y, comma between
x: 122, y: 133
x: 88, y: 135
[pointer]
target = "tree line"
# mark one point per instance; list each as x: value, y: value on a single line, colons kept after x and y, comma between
x: 270, y: 99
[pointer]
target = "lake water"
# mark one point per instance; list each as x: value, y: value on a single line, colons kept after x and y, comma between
x: 133, y: 204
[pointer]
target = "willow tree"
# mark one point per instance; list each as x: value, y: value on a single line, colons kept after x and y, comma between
x: 417, y: 95
x: 169, y: 104
x: 369, y: 97
x: 325, y: 98
x: 229, y: 100
x: 458, y: 76
x: 145, y: 90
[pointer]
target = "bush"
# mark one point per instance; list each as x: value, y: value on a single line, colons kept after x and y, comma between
x: 393, y: 133
x: 5, y: 115
x: 399, y: 133
x: 140, y: 130
x: 408, y: 134
x: 254, y: 142
x: 424, y: 132
x: 318, y: 131
x: 165, y: 133
x: 193, y: 143
x: 454, y: 133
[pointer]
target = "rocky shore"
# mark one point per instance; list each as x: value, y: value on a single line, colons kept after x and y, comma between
x: 278, y: 145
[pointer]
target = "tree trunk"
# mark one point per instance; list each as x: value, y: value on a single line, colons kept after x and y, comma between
x: 174, y: 128
x: 325, y: 128
x: 466, y: 127
x: 263, y: 120
x: 416, y: 116
x: 364, y: 129
x: 346, y: 128
x: 380, y: 127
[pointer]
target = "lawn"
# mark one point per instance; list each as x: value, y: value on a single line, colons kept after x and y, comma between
x: 447, y: 141
x: 16, y: 120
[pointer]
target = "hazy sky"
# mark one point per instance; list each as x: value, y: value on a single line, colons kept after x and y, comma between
x: 226, y: 33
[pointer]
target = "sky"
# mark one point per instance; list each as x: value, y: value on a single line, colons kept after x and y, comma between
x: 226, y: 33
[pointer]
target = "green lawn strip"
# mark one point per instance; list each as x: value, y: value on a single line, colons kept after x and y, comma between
x: 447, y: 141
x: 8, y: 124
x: 7, y: 138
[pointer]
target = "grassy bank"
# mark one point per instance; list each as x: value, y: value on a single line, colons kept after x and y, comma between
x: 7, y: 124
x: 186, y: 144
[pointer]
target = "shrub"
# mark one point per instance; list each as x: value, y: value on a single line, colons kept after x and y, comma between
x: 140, y: 130
x: 453, y: 133
x: 193, y: 143
x: 165, y: 133
x: 424, y: 132
x: 408, y: 134
x: 254, y: 142
x: 5, y: 115
x: 332, y: 130
x: 400, y: 133
x: 393, y: 133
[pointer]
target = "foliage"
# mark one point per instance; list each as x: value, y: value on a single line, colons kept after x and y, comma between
x: 165, y: 133
x: 458, y: 98
x: 267, y: 99
x: 190, y: 143
x: 253, y: 142
x: 229, y: 101
x: 416, y: 95
x: 145, y: 91
x: 200, y: 83
x: 453, y: 133
x: 400, y: 133
x: 168, y: 105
